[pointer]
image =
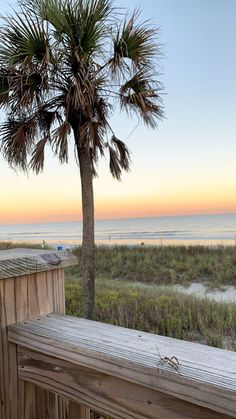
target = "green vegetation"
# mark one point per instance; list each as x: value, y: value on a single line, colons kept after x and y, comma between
x: 159, y: 310
x: 166, y: 265
x: 12, y: 245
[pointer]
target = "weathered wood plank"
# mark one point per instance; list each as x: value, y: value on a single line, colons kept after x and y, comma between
x: 20, y: 262
x: 103, y: 392
x: 22, y: 298
x: 206, y: 377
x: 77, y: 411
x: 38, y: 403
x: 19, y: 299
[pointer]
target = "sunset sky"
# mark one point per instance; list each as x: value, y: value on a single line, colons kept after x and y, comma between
x: 188, y: 164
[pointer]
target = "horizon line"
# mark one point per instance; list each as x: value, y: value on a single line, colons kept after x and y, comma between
x: 125, y: 218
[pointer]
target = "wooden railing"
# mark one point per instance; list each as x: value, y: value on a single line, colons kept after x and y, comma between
x: 59, y: 367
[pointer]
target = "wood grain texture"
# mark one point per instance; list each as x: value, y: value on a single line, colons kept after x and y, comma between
x: 38, y: 403
x: 110, y: 395
x: 19, y: 262
x: 24, y: 298
x: 207, y: 376
x: 77, y: 411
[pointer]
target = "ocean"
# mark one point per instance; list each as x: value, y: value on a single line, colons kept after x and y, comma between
x: 197, y: 229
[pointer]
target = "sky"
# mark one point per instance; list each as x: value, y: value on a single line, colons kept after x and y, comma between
x: 186, y: 165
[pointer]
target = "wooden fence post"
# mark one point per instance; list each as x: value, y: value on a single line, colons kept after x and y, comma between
x: 31, y: 283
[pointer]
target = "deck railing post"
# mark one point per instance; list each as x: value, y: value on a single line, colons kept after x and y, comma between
x: 31, y: 284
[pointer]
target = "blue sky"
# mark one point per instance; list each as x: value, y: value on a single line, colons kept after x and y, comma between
x: 187, y: 165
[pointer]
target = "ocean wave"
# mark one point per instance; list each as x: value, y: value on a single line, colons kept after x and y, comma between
x: 140, y: 230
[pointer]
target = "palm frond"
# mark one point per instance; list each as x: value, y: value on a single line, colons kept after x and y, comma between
x: 114, y: 165
x: 4, y: 86
x: 136, y: 42
x: 24, y: 88
x: 37, y: 161
x: 96, y: 134
x: 17, y: 136
x: 51, y: 11
x: 80, y: 27
x: 94, y: 14
x: 141, y: 94
x: 90, y: 18
x: 46, y: 120
x: 119, y: 157
x: 101, y: 109
x: 123, y: 153
x: 60, y: 141
x: 94, y: 128
x: 25, y: 39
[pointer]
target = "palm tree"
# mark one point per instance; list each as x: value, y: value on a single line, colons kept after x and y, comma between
x: 64, y: 67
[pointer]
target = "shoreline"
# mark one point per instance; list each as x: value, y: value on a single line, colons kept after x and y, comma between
x: 207, y: 230
x: 131, y: 243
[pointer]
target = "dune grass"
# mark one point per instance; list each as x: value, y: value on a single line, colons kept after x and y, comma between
x: 165, y: 265
x: 13, y: 245
x: 159, y: 310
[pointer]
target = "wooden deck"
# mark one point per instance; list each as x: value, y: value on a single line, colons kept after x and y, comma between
x: 117, y: 371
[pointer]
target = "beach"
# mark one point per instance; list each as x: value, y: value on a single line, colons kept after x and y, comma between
x: 211, y: 229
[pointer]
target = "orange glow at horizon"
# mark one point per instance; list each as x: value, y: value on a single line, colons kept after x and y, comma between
x: 151, y: 207
x: 50, y: 198
x: 186, y: 165
x: 113, y: 208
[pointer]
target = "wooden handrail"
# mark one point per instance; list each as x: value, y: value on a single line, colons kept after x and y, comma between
x: 125, y: 373
x: 18, y: 262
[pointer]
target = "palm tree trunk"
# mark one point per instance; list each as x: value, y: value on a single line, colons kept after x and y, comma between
x: 88, y: 247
